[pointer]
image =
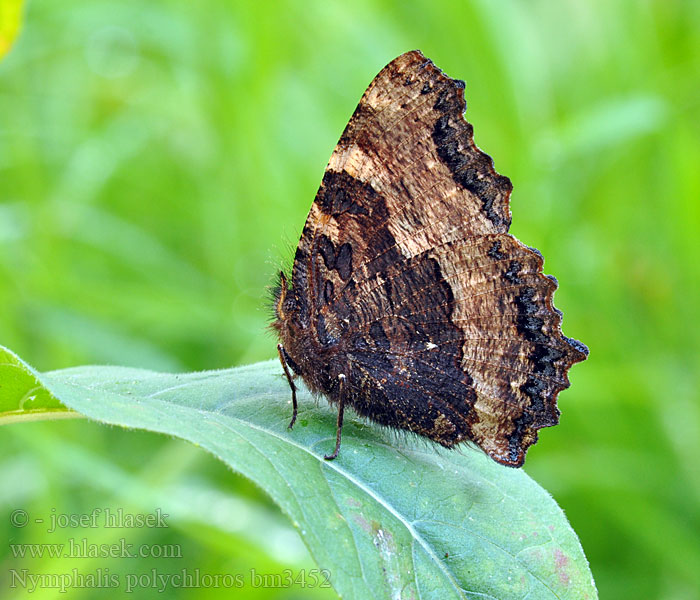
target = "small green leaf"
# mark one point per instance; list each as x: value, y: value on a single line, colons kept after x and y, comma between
x: 392, y: 517
x: 23, y: 397
x: 10, y: 22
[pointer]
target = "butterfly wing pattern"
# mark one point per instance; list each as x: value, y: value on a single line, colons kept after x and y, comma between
x: 409, y: 300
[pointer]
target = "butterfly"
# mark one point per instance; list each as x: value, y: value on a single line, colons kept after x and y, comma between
x: 408, y: 300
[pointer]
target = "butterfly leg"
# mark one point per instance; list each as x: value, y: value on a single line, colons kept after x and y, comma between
x: 341, y: 407
x: 280, y: 351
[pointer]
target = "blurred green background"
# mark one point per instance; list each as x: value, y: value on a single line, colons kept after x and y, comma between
x: 158, y: 159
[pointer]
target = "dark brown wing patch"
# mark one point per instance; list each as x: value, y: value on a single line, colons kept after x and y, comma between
x: 407, y: 283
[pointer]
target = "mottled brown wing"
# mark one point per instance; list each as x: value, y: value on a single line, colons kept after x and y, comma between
x: 464, y: 339
x: 446, y: 320
x: 405, y: 174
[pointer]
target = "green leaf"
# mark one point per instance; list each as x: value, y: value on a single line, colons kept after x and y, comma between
x: 23, y: 396
x: 10, y: 21
x: 392, y: 517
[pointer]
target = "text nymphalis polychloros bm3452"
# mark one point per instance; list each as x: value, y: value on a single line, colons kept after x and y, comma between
x: 409, y: 300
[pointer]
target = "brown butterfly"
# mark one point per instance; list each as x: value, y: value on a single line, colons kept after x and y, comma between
x: 409, y: 300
